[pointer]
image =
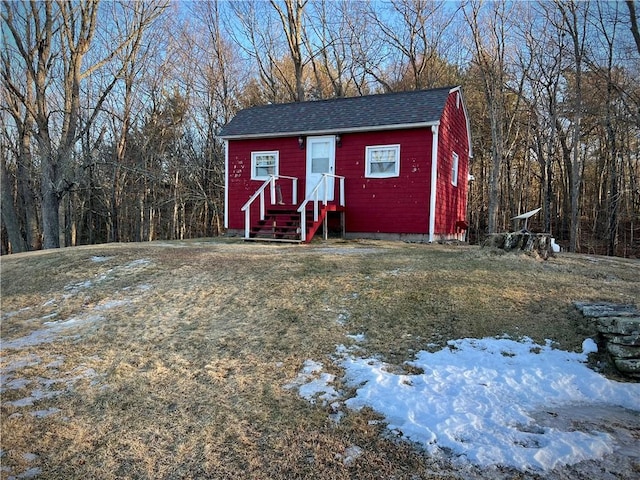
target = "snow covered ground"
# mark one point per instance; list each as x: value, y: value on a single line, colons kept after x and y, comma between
x: 492, y: 402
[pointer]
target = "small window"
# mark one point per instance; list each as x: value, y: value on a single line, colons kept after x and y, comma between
x: 263, y: 164
x: 382, y: 161
x: 454, y: 169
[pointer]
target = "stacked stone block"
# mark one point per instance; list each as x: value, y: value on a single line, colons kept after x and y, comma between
x: 619, y: 330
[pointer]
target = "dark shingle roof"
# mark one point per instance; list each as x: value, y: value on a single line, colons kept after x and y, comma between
x: 371, y: 112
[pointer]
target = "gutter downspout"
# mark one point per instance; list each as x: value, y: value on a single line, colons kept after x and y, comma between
x: 434, y: 182
x: 226, y: 184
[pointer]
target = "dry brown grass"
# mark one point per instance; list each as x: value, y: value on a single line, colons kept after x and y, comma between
x: 176, y: 362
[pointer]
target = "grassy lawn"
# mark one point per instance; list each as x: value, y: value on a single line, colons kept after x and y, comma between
x: 168, y: 360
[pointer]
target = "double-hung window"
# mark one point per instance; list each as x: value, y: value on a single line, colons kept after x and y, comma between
x: 264, y: 164
x: 454, y: 169
x: 382, y: 161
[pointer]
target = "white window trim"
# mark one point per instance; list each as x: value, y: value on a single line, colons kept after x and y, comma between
x: 455, y: 165
x: 370, y: 149
x: 254, y: 165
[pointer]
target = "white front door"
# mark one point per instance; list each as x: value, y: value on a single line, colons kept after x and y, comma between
x: 321, y: 158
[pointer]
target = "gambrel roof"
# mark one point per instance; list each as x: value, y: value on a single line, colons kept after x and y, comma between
x: 340, y: 115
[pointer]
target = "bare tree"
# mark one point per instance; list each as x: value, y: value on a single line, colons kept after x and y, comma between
x: 50, y: 44
x: 110, y: 116
x: 368, y: 53
x: 291, y: 20
x: 329, y: 39
x: 545, y: 44
x: 217, y: 83
x: 416, y: 31
x: 489, y: 45
x: 607, y: 23
x: 574, y: 25
x: 256, y: 33
x: 23, y: 125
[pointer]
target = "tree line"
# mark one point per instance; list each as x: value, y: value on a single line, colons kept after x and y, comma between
x: 111, y: 109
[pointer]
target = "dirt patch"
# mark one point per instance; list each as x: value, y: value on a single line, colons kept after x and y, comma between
x: 621, y: 424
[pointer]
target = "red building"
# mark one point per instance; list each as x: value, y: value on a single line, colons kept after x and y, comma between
x: 380, y: 166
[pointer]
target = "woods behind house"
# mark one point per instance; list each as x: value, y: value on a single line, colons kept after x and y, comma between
x: 110, y: 110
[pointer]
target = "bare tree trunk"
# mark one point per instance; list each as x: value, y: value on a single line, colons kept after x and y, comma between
x: 141, y: 216
x: 115, y: 204
x: 50, y: 202
x: 262, y: 45
x: 548, y: 81
x: 26, y: 211
x: 548, y: 193
x: 9, y: 217
x: 633, y: 16
x: 496, y: 162
x: 175, y: 233
x: 26, y: 193
x: 575, y: 27
x: 490, y: 61
x: 330, y: 61
x: 292, y: 26
x: 614, y: 197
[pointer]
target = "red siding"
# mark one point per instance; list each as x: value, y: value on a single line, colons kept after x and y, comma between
x: 386, y: 205
x: 240, y: 185
x: 451, y: 201
x: 398, y: 205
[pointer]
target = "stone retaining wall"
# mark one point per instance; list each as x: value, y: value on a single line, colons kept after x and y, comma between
x: 538, y: 243
x: 618, y: 328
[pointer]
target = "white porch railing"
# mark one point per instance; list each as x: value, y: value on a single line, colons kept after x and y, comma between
x: 314, y: 197
x: 271, y: 182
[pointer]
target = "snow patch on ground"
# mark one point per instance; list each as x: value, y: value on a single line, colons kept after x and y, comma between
x: 142, y: 262
x: 589, y: 346
x: 100, y: 259
x: 358, y: 337
x: 350, y: 455
x: 50, y: 332
x: 32, y: 472
x: 44, y: 388
x: 28, y: 360
x: 44, y: 413
x: 313, y: 385
x: 75, y: 288
x: 489, y: 402
x: 109, y: 304
x: 342, y: 319
x: 52, y: 329
x: 10, y: 314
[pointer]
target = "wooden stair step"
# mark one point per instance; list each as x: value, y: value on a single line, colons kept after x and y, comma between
x: 282, y: 224
x: 280, y: 240
x: 265, y: 228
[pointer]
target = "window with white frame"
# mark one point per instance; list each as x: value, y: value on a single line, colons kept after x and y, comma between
x: 264, y: 164
x: 382, y: 161
x: 454, y: 169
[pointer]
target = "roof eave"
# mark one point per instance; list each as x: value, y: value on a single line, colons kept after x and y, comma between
x: 304, y: 133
